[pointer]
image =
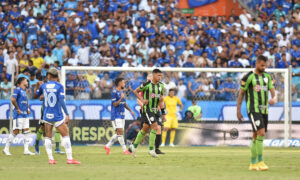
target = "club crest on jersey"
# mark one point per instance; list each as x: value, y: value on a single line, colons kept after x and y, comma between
x: 257, y: 123
x: 159, y: 88
x: 257, y: 88
x: 266, y: 80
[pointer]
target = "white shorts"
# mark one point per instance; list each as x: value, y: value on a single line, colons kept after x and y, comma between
x: 118, y: 124
x: 54, y: 123
x: 21, y: 123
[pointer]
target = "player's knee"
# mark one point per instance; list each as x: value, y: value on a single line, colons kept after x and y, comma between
x: 26, y: 131
x: 261, y: 132
x: 16, y: 131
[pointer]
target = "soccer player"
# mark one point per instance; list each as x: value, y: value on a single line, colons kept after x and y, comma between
x: 158, y: 116
x: 20, y: 116
x: 153, y: 92
x: 171, y: 102
x: 52, y: 114
x: 256, y: 85
x: 132, y: 131
x: 118, y: 105
x: 41, y: 131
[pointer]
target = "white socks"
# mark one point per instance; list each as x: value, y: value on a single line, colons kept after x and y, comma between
x: 66, y: 142
x: 121, y: 141
x: 9, y: 140
x: 112, y: 140
x: 26, y: 141
x: 48, y: 146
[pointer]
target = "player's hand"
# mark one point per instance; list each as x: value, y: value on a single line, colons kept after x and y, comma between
x: 272, y: 102
x: 19, y: 111
x: 39, y: 83
x: 29, y: 112
x: 164, y: 118
x: 122, y: 96
x: 145, y: 102
x: 240, y: 116
x: 67, y: 119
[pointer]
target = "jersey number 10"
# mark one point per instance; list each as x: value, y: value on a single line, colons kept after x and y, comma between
x: 50, y: 99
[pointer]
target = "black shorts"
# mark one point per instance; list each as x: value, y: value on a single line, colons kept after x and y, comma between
x: 151, y: 117
x: 258, y: 121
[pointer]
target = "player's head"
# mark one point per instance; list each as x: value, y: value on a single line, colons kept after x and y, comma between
x: 52, y: 74
x: 172, y: 92
x: 149, y: 77
x: 157, y: 75
x: 120, y: 82
x: 22, y: 81
x: 261, y: 63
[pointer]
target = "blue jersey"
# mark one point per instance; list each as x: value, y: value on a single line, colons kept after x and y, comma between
x: 117, y: 112
x: 53, y: 92
x: 22, y: 101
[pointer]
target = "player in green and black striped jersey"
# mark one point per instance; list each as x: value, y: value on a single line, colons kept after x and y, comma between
x: 256, y: 85
x: 153, y: 92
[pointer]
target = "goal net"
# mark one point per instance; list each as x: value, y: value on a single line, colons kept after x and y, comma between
x: 88, y: 91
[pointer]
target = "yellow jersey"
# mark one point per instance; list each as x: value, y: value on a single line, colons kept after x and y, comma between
x: 171, y: 105
x: 37, y: 62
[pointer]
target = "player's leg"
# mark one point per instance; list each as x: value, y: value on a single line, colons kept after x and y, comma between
x: 112, y: 140
x: 253, y: 161
x: 259, y: 125
x: 158, y: 139
x: 167, y: 126
x: 61, y: 126
x: 26, y: 133
x: 39, y: 134
x: 152, y: 138
x: 120, y: 134
x: 16, y: 128
x: 140, y: 136
x: 48, y: 141
x: 57, y: 142
x: 174, y: 125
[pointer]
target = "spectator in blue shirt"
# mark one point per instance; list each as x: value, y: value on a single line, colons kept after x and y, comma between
x: 283, y: 62
x: 59, y: 53
x: 71, y: 84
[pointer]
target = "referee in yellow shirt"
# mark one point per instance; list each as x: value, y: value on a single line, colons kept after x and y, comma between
x: 171, y: 102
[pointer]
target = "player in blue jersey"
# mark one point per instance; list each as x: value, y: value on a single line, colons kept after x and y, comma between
x: 118, y: 105
x: 53, y: 103
x: 20, y: 116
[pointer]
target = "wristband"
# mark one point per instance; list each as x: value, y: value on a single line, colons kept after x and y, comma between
x: 163, y: 112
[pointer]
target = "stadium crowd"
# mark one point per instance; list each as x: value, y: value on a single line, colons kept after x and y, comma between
x: 38, y: 34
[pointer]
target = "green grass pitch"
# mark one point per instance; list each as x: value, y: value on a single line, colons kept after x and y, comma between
x: 182, y: 163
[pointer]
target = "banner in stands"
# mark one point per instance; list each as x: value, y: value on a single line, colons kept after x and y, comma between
x: 188, y: 134
x: 100, y: 109
x: 198, y: 3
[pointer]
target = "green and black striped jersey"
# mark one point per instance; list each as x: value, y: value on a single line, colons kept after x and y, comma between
x: 257, y: 90
x: 152, y: 93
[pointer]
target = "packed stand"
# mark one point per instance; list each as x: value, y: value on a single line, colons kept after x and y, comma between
x: 41, y: 34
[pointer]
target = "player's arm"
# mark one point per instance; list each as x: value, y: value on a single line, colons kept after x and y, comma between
x: 61, y: 100
x: 137, y: 93
x: 180, y: 103
x: 239, y: 104
x: 116, y: 103
x: 243, y: 88
x: 129, y: 109
x: 140, y: 103
x: 162, y: 106
x: 272, y: 90
x: 14, y: 102
x: 37, y: 90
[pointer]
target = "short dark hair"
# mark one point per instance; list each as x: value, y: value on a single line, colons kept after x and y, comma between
x: 172, y: 89
x: 19, y: 81
x: 261, y: 58
x: 118, y: 80
x: 155, y: 71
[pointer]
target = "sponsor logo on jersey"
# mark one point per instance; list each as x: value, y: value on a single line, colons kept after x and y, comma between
x: 153, y: 95
x: 258, y: 88
x: 50, y: 116
x: 50, y: 86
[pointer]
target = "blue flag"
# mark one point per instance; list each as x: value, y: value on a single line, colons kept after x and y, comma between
x: 197, y: 3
